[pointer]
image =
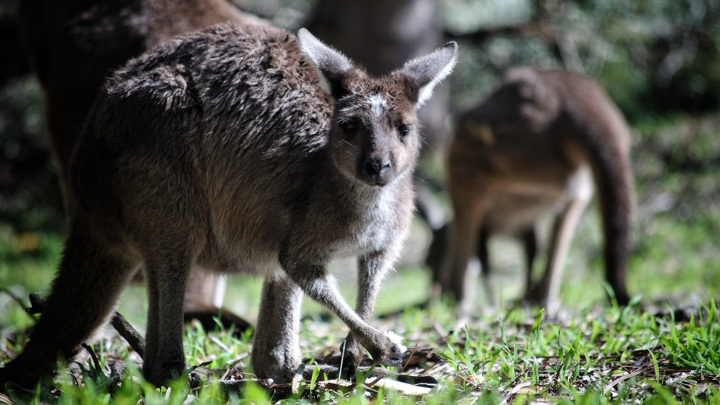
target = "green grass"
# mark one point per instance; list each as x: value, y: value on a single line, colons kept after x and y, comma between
x: 605, y: 355
x: 662, y: 349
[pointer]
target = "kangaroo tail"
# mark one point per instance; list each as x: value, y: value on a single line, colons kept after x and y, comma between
x: 610, y: 161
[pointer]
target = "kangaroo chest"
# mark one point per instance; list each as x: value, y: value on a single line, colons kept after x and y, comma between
x: 370, y: 227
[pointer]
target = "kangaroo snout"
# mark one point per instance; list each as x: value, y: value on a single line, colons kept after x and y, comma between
x: 376, y: 170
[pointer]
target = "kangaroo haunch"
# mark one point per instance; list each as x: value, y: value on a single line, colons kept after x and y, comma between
x: 238, y: 149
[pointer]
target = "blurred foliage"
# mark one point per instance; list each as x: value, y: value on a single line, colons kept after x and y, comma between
x: 654, y: 57
x: 30, y: 197
x: 290, y: 14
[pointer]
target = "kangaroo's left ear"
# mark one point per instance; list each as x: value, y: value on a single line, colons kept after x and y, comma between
x: 331, y: 64
x: 430, y: 69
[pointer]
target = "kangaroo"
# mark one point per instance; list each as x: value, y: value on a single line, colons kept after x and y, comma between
x: 73, y: 47
x: 538, y: 146
x: 238, y: 149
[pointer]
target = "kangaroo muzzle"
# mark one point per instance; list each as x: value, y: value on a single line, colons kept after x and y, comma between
x: 376, y: 170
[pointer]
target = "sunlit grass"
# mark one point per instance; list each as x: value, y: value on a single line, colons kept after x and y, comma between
x: 515, y: 355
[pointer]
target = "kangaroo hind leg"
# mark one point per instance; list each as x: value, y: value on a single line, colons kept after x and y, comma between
x: 276, y: 351
x: 547, y: 291
x: 92, y: 274
x: 167, y: 274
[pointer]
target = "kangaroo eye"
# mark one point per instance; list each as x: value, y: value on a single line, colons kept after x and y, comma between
x: 348, y: 127
x: 404, y: 129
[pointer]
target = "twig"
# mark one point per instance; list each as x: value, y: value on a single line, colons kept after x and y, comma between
x: 514, y: 391
x: 127, y: 332
x: 93, y: 356
x: 375, y: 381
x: 621, y: 379
x: 37, y: 304
x: 342, y: 358
x: 409, y: 357
x: 122, y: 326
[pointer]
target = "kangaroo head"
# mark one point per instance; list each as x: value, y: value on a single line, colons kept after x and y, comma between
x: 375, y: 135
x: 526, y: 97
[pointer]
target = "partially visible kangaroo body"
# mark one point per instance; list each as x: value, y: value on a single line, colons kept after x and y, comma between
x: 238, y: 149
x: 538, y: 146
x: 75, y: 45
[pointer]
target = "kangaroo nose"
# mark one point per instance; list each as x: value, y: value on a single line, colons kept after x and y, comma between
x: 377, y: 167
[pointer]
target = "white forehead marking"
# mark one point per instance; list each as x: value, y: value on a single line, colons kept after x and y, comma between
x: 377, y: 104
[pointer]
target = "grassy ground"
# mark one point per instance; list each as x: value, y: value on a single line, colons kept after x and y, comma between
x: 664, y: 348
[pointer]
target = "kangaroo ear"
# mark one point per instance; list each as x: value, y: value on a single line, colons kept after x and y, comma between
x: 331, y: 64
x: 430, y: 69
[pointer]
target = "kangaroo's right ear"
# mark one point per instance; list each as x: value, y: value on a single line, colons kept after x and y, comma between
x: 331, y: 64
x: 429, y: 70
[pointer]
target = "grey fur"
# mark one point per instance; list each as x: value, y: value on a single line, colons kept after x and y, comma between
x: 222, y: 150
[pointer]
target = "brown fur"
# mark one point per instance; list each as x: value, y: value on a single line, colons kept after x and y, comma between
x: 73, y: 47
x: 221, y: 150
x: 532, y: 149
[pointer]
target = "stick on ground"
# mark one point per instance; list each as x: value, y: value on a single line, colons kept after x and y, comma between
x: 121, y: 325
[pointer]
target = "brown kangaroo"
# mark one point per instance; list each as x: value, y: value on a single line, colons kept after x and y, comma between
x: 533, y: 148
x: 73, y: 47
x: 239, y: 149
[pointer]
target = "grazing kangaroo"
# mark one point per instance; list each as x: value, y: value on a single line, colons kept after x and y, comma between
x: 74, y: 46
x: 533, y: 149
x: 238, y: 149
